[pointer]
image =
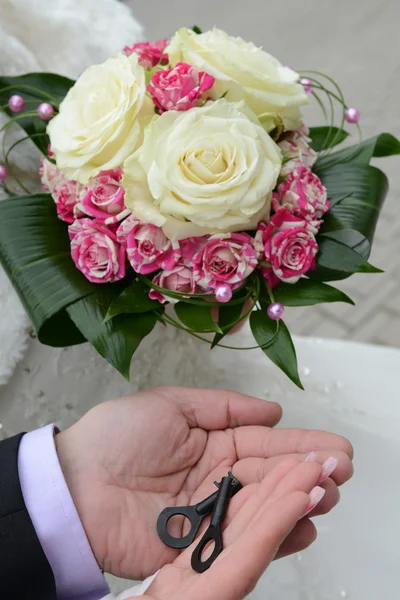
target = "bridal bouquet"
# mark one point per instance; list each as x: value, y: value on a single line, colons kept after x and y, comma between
x: 181, y: 173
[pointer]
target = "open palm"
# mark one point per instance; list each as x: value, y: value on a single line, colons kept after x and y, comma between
x: 259, y: 520
x: 128, y: 459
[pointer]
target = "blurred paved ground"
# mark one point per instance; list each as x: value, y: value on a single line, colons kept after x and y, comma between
x: 358, y: 44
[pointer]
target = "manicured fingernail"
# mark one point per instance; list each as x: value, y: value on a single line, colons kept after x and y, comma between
x: 327, y: 468
x: 312, y: 457
x: 316, y: 496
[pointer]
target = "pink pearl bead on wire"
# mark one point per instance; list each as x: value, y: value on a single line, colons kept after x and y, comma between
x: 352, y: 115
x: 45, y: 111
x: 223, y: 293
x: 307, y: 85
x: 276, y: 311
x: 3, y: 173
x: 16, y: 103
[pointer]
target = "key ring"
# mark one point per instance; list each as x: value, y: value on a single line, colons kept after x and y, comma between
x: 216, y: 504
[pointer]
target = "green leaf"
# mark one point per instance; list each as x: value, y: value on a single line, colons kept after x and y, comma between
x: 335, y: 260
x: 357, y: 193
x: 134, y: 299
x: 281, y: 351
x: 381, y: 145
x: 326, y: 137
x: 38, y: 88
x: 228, y: 317
x: 35, y: 252
x: 352, y: 239
x: 307, y: 293
x: 116, y: 340
x: 197, y: 29
x: 196, y: 318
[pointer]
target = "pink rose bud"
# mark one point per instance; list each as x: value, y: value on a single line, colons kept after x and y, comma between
x: 104, y: 198
x: 189, y: 247
x: 150, y: 53
x: 288, y: 244
x: 270, y: 277
x: 96, y: 251
x: 225, y: 258
x: 66, y: 195
x: 178, y: 279
x: 303, y: 195
x: 296, y: 150
x: 148, y: 249
x: 180, y: 88
x: 50, y: 175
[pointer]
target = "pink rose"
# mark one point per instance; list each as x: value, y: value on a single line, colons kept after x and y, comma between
x: 96, y: 251
x: 104, y: 198
x: 150, y: 53
x: 180, y: 88
x: 225, y: 258
x: 288, y: 244
x: 302, y: 194
x: 66, y: 196
x: 178, y: 279
x: 297, y: 151
x: 147, y: 247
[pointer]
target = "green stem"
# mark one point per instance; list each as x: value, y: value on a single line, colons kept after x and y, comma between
x: 17, y: 118
x: 269, y: 291
x: 174, y: 323
x: 321, y: 104
x: 202, y: 298
x: 30, y: 87
x: 340, y: 99
x: 28, y: 137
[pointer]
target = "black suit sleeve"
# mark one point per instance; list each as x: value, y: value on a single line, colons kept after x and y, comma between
x: 25, y: 573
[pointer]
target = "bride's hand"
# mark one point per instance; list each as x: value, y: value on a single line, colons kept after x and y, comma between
x: 259, y: 519
x: 128, y: 459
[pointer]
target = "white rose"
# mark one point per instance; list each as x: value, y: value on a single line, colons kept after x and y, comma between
x: 208, y: 170
x: 98, y: 125
x: 244, y: 71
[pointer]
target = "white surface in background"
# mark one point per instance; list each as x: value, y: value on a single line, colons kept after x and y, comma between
x: 351, y: 389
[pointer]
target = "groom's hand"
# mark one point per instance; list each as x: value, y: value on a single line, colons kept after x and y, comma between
x: 128, y: 459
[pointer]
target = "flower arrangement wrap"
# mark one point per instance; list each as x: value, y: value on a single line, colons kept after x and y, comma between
x: 181, y: 172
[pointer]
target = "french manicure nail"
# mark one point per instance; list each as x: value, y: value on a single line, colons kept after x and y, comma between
x: 316, y: 496
x: 327, y: 468
x: 312, y: 457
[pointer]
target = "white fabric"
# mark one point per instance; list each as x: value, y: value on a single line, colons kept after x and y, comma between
x: 64, y: 36
x: 138, y: 590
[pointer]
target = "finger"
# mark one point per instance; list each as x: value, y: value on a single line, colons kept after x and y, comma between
x: 305, y: 532
x: 219, y: 409
x: 302, y: 536
x: 288, y: 476
x: 264, y: 442
x: 303, y: 478
x: 238, y: 569
x: 253, y: 470
x: 329, y: 501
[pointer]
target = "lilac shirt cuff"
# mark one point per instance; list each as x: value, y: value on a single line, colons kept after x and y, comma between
x: 55, y: 519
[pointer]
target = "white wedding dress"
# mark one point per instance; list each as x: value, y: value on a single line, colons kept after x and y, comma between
x: 342, y: 379
x: 64, y: 36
